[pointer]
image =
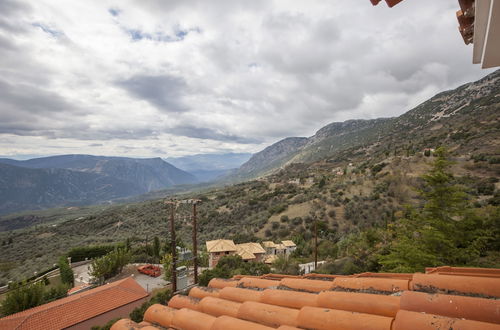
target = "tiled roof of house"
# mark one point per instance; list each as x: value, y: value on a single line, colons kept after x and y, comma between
x: 280, y: 246
x: 443, y: 298
x: 288, y: 243
x: 221, y: 245
x: 269, y: 259
x: 269, y: 244
x: 71, y: 310
x: 247, y: 251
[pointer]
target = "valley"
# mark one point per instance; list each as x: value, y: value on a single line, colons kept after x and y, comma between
x: 356, y: 179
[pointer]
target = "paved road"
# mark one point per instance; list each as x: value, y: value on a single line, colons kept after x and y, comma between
x: 147, y: 282
x: 81, y: 274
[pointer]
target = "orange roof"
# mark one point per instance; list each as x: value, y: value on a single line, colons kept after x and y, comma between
x: 71, y: 310
x: 444, y: 298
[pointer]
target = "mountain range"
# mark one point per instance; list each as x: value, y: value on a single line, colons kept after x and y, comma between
x: 81, y: 179
x: 465, y: 119
x: 351, y: 176
x: 209, y: 167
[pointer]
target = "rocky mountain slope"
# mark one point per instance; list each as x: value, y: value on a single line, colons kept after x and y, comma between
x: 465, y: 118
x: 349, y: 177
x: 81, y: 179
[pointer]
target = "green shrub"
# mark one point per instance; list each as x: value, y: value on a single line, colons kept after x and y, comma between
x: 161, y: 297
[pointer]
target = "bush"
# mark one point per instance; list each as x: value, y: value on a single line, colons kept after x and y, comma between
x: 89, y: 252
x: 161, y: 297
x: 28, y: 295
x: 297, y: 221
x: 485, y: 188
x: 377, y: 168
x: 107, y: 326
x: 229, y: 266
x: 67, y: 276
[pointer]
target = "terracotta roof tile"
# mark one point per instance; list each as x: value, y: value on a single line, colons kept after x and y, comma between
x: 368, y: 284
x: 478, y: 309
x: 231, y: 323
x: 403, y: 276
x: 180, y: 301
x: 286, y: 298
x: 359, y: 302
x: 77, y: 307
x: 257, y: 283
x: 240, y: 295
x: 262, y: 303
x: 202, y: 292
x: 219, y: 307
x: 461, y: 285
x: 278, y: 277
x: 159, y: 314
x: 219, y: 283
x: 324, y: 318
x: 306, y: 285
x: 464, y: 271
x: 406, y: 320
x: 270, y: 315
x: 189, y: 319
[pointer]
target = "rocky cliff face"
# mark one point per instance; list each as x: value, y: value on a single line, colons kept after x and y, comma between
x: 272, y: 156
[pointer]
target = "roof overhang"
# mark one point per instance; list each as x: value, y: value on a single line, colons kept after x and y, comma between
x: 487, y: 33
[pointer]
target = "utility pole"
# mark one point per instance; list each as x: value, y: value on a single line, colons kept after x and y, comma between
x: 173, y: 203
x: 195, y: 242
x: 315, y: 243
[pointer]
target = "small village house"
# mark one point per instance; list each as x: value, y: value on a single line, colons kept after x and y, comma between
x: 219, y: 248
x: 267, y: 252
x: 270, y: 247
x: 289, y: 247
x: 251, y: 252
x: 81, y: 310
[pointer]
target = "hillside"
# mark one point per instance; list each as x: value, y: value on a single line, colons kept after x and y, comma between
x: 209, y: 167
x: 82, y: 179
x: 357, y: 191
x: 466, y: 119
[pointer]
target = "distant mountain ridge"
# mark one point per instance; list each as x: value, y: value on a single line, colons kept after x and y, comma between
x: 456, y: 118
x: 209, y: 167
x: 82, y: 179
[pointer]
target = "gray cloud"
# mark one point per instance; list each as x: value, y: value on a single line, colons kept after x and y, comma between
x: 9, y: 11
x: 211, y: 134
x: 165, y: 92
x: 26, y: 109
x: 229, y: 75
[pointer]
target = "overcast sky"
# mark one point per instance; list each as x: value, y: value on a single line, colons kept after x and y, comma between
x: 158, y: 78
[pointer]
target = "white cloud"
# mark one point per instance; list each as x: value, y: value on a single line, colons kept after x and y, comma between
x: 185, y: 77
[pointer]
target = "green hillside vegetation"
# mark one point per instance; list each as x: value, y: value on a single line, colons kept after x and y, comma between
x: 353, y: 209
x: 369, y: 197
